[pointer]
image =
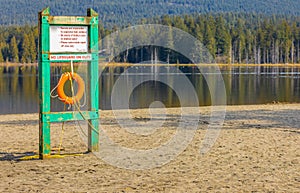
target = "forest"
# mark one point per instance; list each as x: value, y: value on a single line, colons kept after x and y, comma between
x: 119, y: 13
x: 229, y: 37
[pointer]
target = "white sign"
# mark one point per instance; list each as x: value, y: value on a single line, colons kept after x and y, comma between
x: 68, y: 39
x: 61, y: 57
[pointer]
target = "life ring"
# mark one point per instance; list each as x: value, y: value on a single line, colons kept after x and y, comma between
x: 60, y: 88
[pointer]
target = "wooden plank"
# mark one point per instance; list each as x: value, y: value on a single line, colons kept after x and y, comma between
x: 69, y: 20
x: 44, y: 84
x: 69, y: 116
x: 93, y: 77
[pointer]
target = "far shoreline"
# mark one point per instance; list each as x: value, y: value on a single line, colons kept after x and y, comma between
x: 227, y: 107
x: 116, y: 64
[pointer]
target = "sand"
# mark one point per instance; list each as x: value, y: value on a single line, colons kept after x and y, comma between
x: 258, y: 150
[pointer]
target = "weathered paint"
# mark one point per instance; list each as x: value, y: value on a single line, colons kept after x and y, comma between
x: 69, y: 116
x: 45, y: 116
x: 44, y: 84
x: 69, y: 20
x: 93, y: 132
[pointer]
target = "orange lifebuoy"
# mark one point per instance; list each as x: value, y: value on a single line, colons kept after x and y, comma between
x: 60, y: 88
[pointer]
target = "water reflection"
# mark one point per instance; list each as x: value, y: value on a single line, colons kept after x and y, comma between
x: 244, y: 85
x: 18, y: 90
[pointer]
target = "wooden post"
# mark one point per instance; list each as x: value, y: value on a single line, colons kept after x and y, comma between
x: 44, y: 84
x: 93, y: 129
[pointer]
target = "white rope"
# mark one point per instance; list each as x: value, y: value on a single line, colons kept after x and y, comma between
x: 72, y: 69
x: 69, y: 107
x: 53, y: 96
x: 51, y: 93
x: 84, y: 101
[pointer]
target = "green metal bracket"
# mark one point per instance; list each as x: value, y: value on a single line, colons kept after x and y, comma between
x: 45, y: 116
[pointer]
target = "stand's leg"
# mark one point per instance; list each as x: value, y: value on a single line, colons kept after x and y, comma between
x: 93, y: 132
x: 93, y: 135
x: 44, y: 84
x: 93, y: 129
x: 44, y: 139
x: 44, y: 97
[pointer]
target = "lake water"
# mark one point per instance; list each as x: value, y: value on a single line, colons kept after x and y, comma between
x: 244, y: 85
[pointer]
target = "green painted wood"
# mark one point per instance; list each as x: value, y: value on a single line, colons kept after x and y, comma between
x: 74, y: 61
x: 93, y: 130
x: 69, y: 116
x: 44, y: 84
x: 69, y: 20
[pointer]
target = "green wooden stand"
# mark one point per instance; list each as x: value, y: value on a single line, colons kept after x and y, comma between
x: 45, y: 116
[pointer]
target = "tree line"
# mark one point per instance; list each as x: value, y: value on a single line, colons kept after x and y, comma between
x: 230, y: 38
x: 233, y: 38
x: 18, y: 44
x: 116, y: 12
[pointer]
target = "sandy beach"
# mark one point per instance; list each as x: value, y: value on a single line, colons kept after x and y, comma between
x: 258, y: 150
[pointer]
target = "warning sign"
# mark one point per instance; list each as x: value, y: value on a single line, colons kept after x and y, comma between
x: 68, y: 39
x: 63, y: 57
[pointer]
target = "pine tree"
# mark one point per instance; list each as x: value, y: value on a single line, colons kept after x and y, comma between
x: 209, y: 39
x: 287, y: 42
x: 166, y: 20
x: 169, y: 44
x: 1, y: 56
x: 32, y: 47
x: 249, y: 44
x: 179, y: 23
x: 240, y: 40
x: 5, y: 52
x: 13, y: 48
x: 25, y: 50
x: 222, y: 40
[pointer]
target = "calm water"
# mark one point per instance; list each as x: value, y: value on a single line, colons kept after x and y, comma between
x: 244, y: 85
